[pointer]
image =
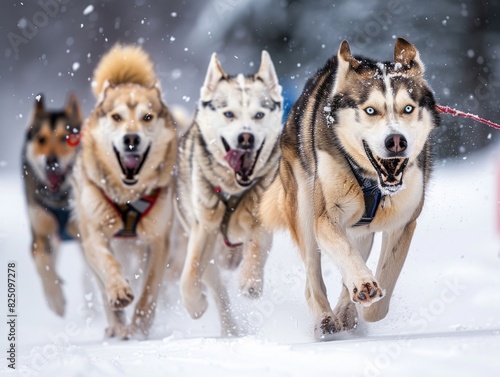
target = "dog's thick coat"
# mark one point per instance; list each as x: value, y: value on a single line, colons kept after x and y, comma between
x: 123, y: 185
x: 47, y: 161
x: 227, y: 159
x: 355, y: 161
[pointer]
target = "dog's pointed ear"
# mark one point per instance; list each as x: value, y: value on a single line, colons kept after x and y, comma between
x: 345, y: 57
x: 107, y: 84
x: 39, y: 105
x: 346, y: 62
x: 408, y: 56
x: 268, y: 74
x: 73, y: 108
x: 215, y: 73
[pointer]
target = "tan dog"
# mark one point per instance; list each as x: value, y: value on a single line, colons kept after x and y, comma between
x: 123, y: 185
x: 227, y: 159
x: 355, y: 161
x: 48, y: 158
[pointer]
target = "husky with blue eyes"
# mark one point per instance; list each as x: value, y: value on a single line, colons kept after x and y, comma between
x: 355, y: 161
x: 227, y: 159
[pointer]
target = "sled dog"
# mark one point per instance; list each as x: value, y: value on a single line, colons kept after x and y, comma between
x: 123, y: 186
x: 355, y: 160
x: 47, y: 161
x: 227, y: 158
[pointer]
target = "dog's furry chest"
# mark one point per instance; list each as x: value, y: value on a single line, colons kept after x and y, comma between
x: 336, y: 190
x: 207, y: 191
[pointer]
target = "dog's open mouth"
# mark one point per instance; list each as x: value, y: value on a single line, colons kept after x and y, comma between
x: 56, y: 179
x: 243, y: 162
x: 131, y: 164
x: 390, y: 171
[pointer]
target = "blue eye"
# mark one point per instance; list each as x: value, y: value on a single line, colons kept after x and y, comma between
x: 370, y: 111
x: 408, y: 109
x: 229, y: 114
x: 259, y: 115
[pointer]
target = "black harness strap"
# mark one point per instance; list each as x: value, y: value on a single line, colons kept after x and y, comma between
x: 371, y: 194
x: 231, y: 203
x: 132, y: 213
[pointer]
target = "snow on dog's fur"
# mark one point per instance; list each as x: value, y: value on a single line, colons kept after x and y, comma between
x: 355, y: 161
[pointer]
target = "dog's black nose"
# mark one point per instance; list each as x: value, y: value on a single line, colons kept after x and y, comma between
x: 396, y: 143
x: 245, y: 140
x: 51, y: 162
x: 131, y: 142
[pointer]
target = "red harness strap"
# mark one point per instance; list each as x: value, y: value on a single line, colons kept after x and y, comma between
x: 132, y: 213
x: 454, y: 112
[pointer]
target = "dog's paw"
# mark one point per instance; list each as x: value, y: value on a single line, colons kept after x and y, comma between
x: 347, y: 316
x: 142, y: 321
x: 119, y: 331
x: 251, y: 287
x: 327, y: 327
x: 196, y: 305
x: 134, y: 332
x: 55, y: 298
x: 119, y: 295
x: 366, y: 292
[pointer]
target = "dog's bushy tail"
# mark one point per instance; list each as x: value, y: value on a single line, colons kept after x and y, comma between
x: 121, y: 65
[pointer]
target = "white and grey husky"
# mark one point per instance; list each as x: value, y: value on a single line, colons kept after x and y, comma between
x: 227, y: 159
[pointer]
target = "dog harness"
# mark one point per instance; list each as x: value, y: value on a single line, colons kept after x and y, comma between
x: 371, y: 194
x: 55, y: 202
x: 61, y: 215
x: 132, y: 213
x: 230, y: 202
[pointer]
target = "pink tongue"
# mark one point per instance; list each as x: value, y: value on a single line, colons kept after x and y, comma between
x: 55, y: 180
x: 131, y: 161
x: 233, y: 158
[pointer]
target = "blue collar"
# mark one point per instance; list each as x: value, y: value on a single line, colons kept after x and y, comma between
x: 62, y: 216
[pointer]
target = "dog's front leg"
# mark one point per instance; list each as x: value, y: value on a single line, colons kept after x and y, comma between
x: 362, y: 286
x: 107, y: 269
x: 221, y: 298
x: 346, y: 310
x: 254, y: 260
x: 144, y: 313
x: 395, y: 245
x: 200, y: 249
x: 43, y: 227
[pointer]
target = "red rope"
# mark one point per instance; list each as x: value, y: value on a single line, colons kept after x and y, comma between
x: 453, y: 112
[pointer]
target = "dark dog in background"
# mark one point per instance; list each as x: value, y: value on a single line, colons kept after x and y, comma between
x: 48, y: 155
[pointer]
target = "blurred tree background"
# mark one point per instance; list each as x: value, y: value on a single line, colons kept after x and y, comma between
x: 52, y: 47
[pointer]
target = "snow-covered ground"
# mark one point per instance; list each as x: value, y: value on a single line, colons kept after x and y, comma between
x: 444, y: 318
